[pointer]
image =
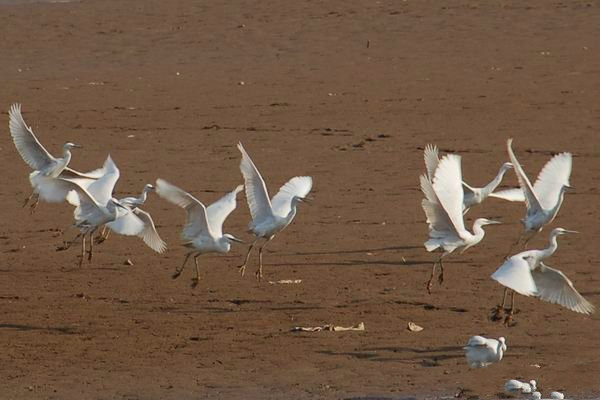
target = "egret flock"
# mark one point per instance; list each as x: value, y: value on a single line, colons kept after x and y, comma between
x: 447, y: 199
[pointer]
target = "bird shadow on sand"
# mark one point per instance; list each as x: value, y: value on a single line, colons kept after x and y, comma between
x: 352, y: 251
x: 65, y: 330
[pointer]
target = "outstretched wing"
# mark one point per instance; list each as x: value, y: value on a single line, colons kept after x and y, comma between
x: 515, y: 274
x: 196, y: 222
x: 447, y: 185
x: 102, y: 188
x: 431, y: 160
x: 87, y: 204
x: 532, y: 202
x: 218, y: 211
x: 437, y: 218
x: 27, y: 144
x: 552, y: 178
x: 514, y: 194
x: 256, y: 190
x: 149, y: 234
x: 298, y: 186
x: 554, y: 287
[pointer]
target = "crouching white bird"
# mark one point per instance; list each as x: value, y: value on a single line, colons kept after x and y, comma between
x: 526, y: 274
x: 97, y: 207
x: 544, y: 198
x: 269, y: 216
x: 516, y: 387
x: 443, y: 207
x: 47, y: 169
x: 472, y: 195
x: 203, y: 229
x: 481, y: 351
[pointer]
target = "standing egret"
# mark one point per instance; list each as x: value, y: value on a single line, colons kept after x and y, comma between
x: 131, y: 202
x: 526, y: 274
x: 46, y: 167
x: 269, y: 216
x: 515, y: 387
x: 481, y: 351
x: 203, y: 229
x: 472, y: 195
x: 97, y: 207
x: 443, y: 207
x: 543, y: 200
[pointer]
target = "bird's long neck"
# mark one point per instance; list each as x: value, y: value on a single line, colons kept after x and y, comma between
x: 62, y: 162
x: 548, y: 251
x: 478, y: 231
x: 293, y: 208
x: 561, y: 196
x: 490, y: 187
x: 143, y: 196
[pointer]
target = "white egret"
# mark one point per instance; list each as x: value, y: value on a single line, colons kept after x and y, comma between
x: 46, y: 167
x: 97, y: 207
x: 269, y: 216
x: 131, y: 202
x: 543, y: 200
x: 557, y: 395
x: 481, y: 351
x: 203, y: 229
x: 472, y: 195
x: 443, y: 207
x: 526, y: 274
x: 536, y: 396
x: 515, y: 387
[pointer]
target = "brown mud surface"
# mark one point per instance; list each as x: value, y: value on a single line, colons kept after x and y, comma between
x: 347, y: 92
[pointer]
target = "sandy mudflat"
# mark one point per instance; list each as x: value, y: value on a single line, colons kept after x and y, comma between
x: 348, y: 92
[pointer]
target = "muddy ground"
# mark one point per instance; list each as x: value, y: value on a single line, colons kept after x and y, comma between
x: 347, y: 92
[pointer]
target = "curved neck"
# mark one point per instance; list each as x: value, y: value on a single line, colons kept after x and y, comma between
x: 478, y: 230
x: 561, y: 196
x: 290, y: 216
x: 490, y: 187
x: 548, y: 251
x: 143, y: 196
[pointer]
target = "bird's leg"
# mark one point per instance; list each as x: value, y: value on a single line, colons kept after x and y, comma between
x: 28, y: 199
x: 259, y: 273
x: 508, y: 321
x: 82, y: 249
x: 430, y: 281
x: 498, y: 312
x: 197, y: 278
x: 242, y: 267
x: 103, y: 235
x: 91, y: 251
x: 441, y: 275
x: 178, y: 271
x: 67, y: 245
x: 529, y: 238
x: 33, y: 205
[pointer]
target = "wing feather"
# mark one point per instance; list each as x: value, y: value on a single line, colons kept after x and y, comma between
x: 447, y: 185
x: 437, y: 218
x: 532, y: 202
x: 514, y: 194
x: 552, y: 178
x: 432, y: 159
x: 515, y: 274
x: 256, y: 190
x: 27, y: 144
x: 554, y: 287
x: 149, y: 234
x: 299, y: 186
x: 218, y: 211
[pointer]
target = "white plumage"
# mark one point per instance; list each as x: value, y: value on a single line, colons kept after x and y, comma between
x: 516, y: 387
x: 269, y: 216
x: 203, y: 229
x: 481, y: 351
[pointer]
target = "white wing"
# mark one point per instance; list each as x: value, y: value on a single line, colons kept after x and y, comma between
x: 218, y: 211
x: 196, y: 223
x: 480, y: 341
x: 149, y: 234
x: 554, y: 287
x: 256, y: 190
x: 515, y: 194
x: 437, y: 218
x: 102, y: 188
x: 532, y: 202
x: 515, y: 274
x: 28, y: 146
x: 431, y: 160
x: 448, y: 188
x: 282, y: 202
x: 127, y: 224
x: 552, y: 178
x: 88, y: 205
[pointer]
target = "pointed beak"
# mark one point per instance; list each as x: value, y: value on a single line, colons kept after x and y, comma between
x: 567, y: 231
x: 77, y: 146
x: 490, y: 222
x: 307, y: 200
x: 233, y: 238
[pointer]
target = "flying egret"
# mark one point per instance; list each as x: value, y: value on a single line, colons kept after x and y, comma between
x: 515, y: 387
x: 443, y: 207
x: 526, y: 274
x: 269, y: 216
x: 131, y: 202
x: 472, y: 195
x: 46, y: 167
x: 203, y: 229
x: 481, y: 351
x: 544, y: 198
x: 97, y: 207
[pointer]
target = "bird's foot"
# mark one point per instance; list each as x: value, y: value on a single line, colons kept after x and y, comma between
x: 429, y: 285
x: 195, y: 282
x: 242, y: 269
x: 176, y: 274
x: 441, y: 277
x: 32, y: 208
x: 80, y: 262
x: 508, y: 321
x: 497, y: 313
x: 259, y: 275
x: 90, y: 255
x: 100, y: 239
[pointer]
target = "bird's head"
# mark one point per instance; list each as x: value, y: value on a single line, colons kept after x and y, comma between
x: 533, y: 384
x: 230, y: 238
x: 69, y: 146
x: 502, y: 340
x: 561, y: 231
x: 506, y: 166
x: 149, y: 187
x: 485, y: 221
